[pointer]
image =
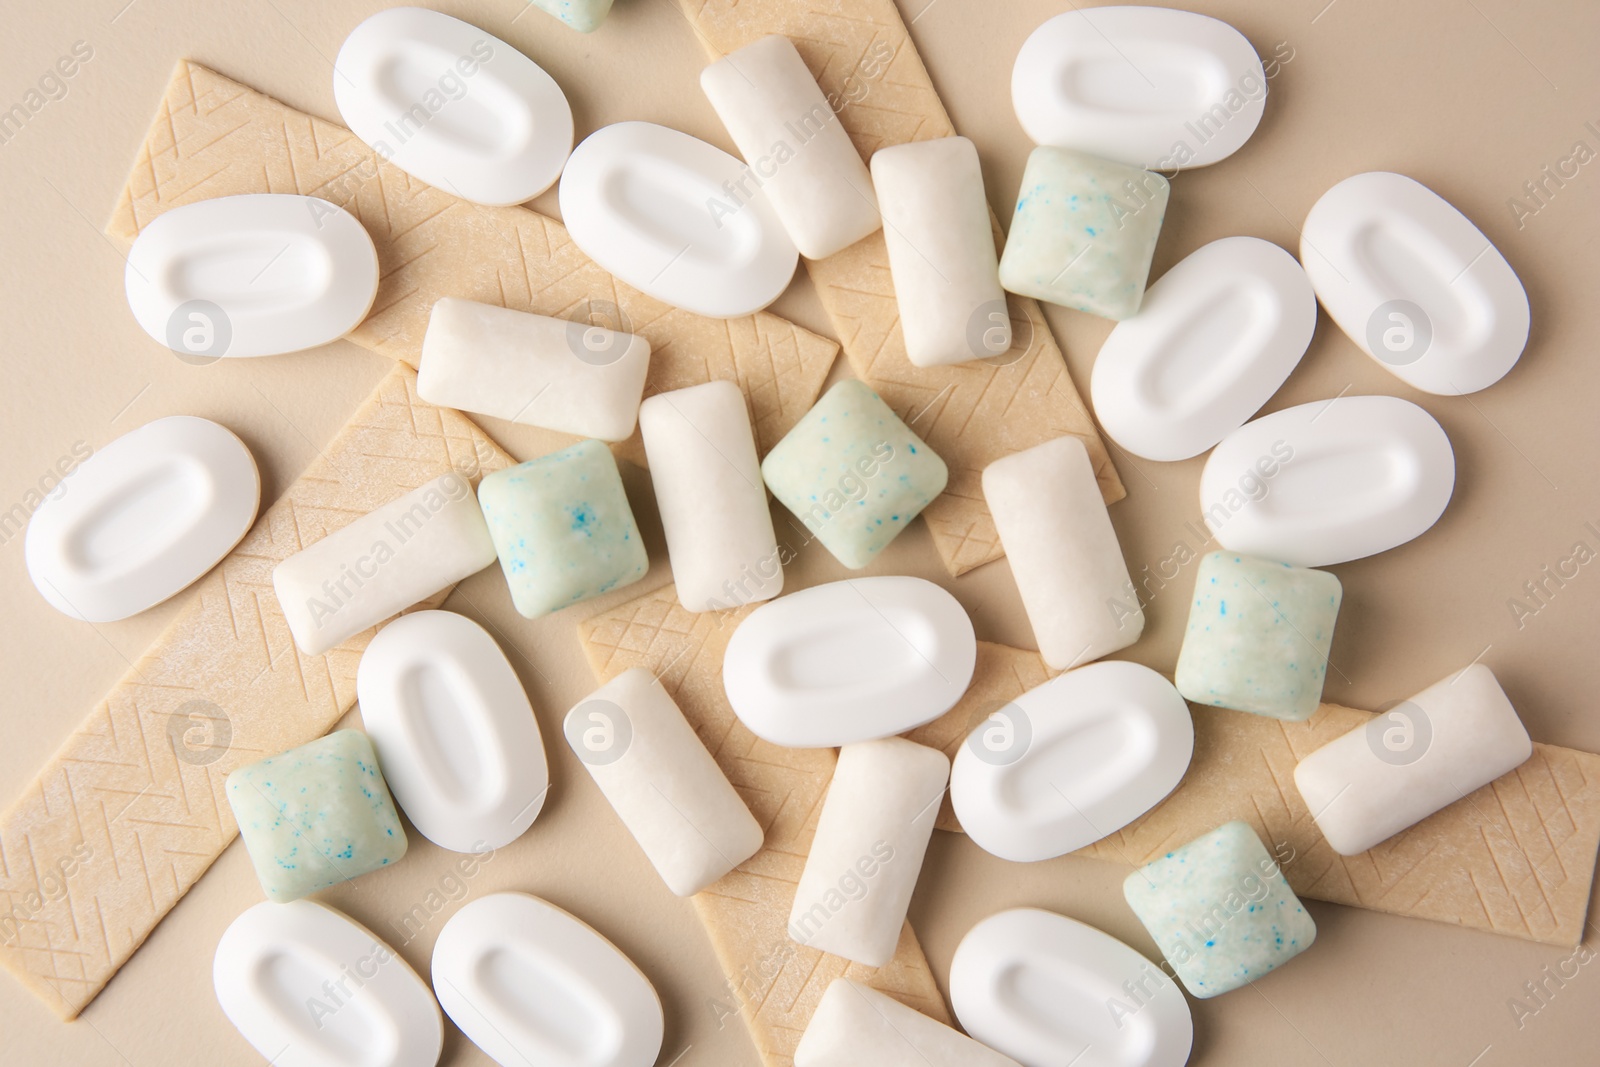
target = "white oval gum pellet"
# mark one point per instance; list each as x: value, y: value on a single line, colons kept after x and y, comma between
x: 529, y: 983
x: 1147, y: 86
x: 1058, y: 538
x: 1415, y: 284
x: 662, y: 783
x: 642, y: 201
x: 1214, y: 339
x: 1329, y: 481
x: 1402, y: 766
x: 849, y: 661
x: 1071, y: 761
x: 560, y: 374
x: 382, y: 563
x: 941, y: 251
x: 871, y: 837
x: 309, y: 987
x: 797, y: 150
x: 253, y: 275
x: 455, y: 734
x: 713, y: 503
x: 1048, y: 990
x: 453, y: 106
x: 856, y: 1024
x: 143, y: 519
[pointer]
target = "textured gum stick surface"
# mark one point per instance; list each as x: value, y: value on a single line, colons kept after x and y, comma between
x: 1515, y: 857
x: 128, y: 814
x: 774, y: 982
x: 214, y: 137
x: 971, y: 413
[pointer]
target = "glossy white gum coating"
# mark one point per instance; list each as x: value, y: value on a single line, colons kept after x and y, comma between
x: 308, y: 986
x: 560, y: 374
x: 662, y: 783
x: 1147, y: 86
x: 713, y: 504
x: 871, y: 837
x: 941, y: 251
x: 382, y: 563
x: 453, y: 105
x: 1424, y: 754
x: 1057, y: 534
x: 454, y: 730
x: 795, y: 146
x: 1214, y: 339
x: 142, y: 519
x: 1415, y: 284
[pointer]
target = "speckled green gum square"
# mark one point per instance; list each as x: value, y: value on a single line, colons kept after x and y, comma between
x: 316, y: 815
x: 562, y: 528
x: 1084, y: 232
x: 1220, y: 910
x: 853, y: 473
x: 585, y: 16
x: 1259, y: 635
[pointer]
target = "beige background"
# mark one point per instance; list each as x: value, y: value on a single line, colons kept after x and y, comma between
x: 1472, y: 97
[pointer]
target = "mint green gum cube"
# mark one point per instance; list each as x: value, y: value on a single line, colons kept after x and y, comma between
x: 316, y: 815
x: 1084, y: 232
x: 1220, y: 910
x: 1259, y: 635
x: 853, y: 473
x: 585, y: 16
x: 562, y: 528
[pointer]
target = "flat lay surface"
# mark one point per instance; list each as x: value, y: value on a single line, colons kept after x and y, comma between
x: 1492, y: 104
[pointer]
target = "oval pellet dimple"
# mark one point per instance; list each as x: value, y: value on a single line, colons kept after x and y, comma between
x: 143, y: 519
x: 309, y: 987
x: 1329, y: 481
x: 1415, y: 284
x: 529, y: 983
x: 1049, y: 990
x: 1150, y: 87
x: 849, y: 661
x: 258, y: 274
x: 455, y: 734
x: 677, y: 218
x: 453, y: 105
x: 1071, y: 761
x: 1214, y: 339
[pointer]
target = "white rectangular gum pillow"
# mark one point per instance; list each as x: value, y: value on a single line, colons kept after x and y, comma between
x: 1415, y: 284
x: 855, y: 1024
x: 796, y: 149
x: 871, y: 837
x: 530, y: 984
x: 258, y: 274
x: 382, y: 563
x: 1329, y: 481
x: 1071, y: 761
x: 143, y: 519
x: 634, y: 199
x: 1150, y: 87
x: 1050, y: 991
x: 713, y: 503
x: 354, y: 1001
x: 941, y: 251
x: 849, y: 661
x: 1428, y: 752
x: 1057, y: 534
x: 560, y: 374
x: 453, y: 105
x: 1213, y: 340
x: 454, y: 731
x: 663, y: 784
